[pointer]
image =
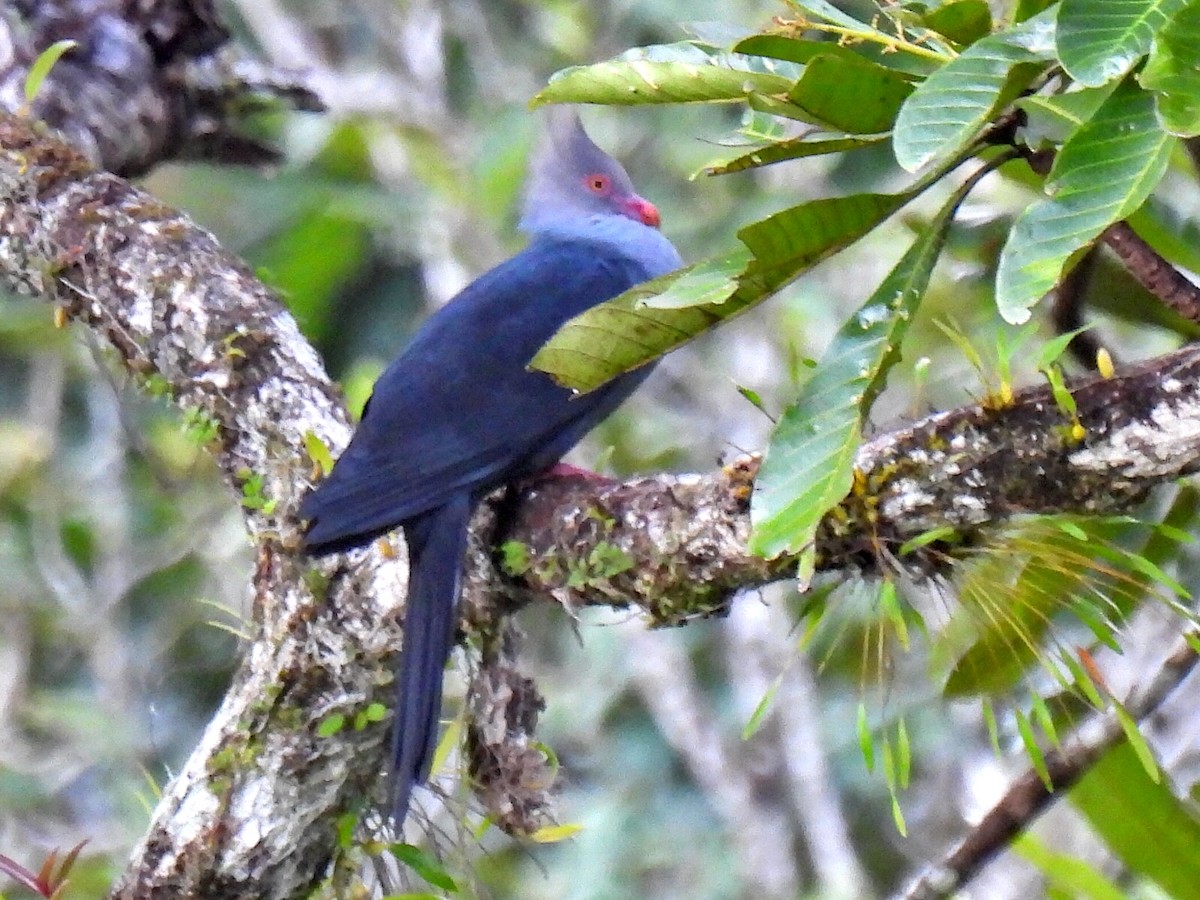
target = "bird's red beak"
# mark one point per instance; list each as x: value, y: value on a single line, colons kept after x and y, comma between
x: 644, y: 211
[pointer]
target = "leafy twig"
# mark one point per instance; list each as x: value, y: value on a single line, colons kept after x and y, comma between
x: 1028, y: 795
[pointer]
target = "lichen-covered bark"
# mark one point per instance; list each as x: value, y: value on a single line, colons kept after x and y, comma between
x: 961, y: 469
x: 249, y: 814
x: 149, y: 80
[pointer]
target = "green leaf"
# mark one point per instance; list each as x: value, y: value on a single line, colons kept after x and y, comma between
x: 954, y: 104
x: 808, y: 467
x: 888, y: 764
x: 1054, y: 348
x: 331, y: 725
x: 552, y: 834
x: 1137, y: 743
x: 711, y: 281
x: 629, y: 331
x: 785, y: 47
x: 764, y: 103
x: 792, y: 49
x: 795, y: 148
x: 865, y: 742
x: 1152, y: 831
x: 1173, y: 72
x: 827, y: 12
x: 1032, y: 750
x: 448, y: 743
x: 626, y: 332
x: 1083, y: 681
x: 1059, y: 390
x: 993, y: 729
x: 1099, y: 42
x: 754, y: 398
x: 1051, y: 119
x: 1073, y: 530
x: 898, y: 817
x: 424, y: 865
x: 851, y: 94
x: 941, y: 533
x: 674, y: 73
x: 1072, y: 875
x: 1104, y: 172
x: 318, y: 452
x: 1027, y: 9
x: 962, y: 21
x: 760, y: 711
x: 814, y: 603
x: 795, y: 239
x: 1041, y: 713
x: 890, y: 606
x: 43, y: 64
x: 903, y: 754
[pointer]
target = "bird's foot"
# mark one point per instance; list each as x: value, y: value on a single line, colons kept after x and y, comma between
x: 566, y: 470
x: 563, y: 472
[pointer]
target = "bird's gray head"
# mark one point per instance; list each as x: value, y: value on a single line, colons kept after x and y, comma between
x: 571, y: 179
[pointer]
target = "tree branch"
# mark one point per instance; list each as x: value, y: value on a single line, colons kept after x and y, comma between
x: 147, y: 81
x: 250, y: 807
x: 1153, y: 272
x: 249, y: 812
x: 1027, y: 797
x: 685, y: 537
x: 248, y: 815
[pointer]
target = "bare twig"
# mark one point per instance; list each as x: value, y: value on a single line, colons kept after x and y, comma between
x: 146, y: 82
x: 665, y: 684
x: 1066, y: 311
x: 1153, y: 272
x: 1028, y: 796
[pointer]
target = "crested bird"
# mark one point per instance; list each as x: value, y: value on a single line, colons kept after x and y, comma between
x: 459, y: 414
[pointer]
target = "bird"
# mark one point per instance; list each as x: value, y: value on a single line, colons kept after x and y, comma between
x: 459, y: 414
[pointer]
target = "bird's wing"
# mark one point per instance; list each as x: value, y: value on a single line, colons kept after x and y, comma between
x: 459, y: 410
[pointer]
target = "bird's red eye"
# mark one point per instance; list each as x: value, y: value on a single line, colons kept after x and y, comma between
x: 597, y: 184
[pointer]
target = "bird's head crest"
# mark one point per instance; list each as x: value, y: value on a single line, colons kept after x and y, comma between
x: 573, y: 180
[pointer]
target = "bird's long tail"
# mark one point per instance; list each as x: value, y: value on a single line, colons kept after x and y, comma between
x: 436, y: 543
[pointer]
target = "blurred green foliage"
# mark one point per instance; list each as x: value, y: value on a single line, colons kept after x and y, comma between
x: 125, y: 565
